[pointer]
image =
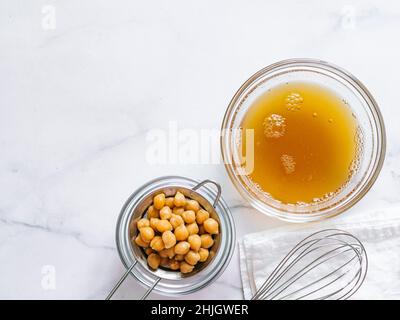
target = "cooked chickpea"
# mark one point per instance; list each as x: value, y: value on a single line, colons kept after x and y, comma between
x: 143, y: 223
x: 193, y: 228
x: 176, y: 221
x: 170, y: 264
x: 182, y: 247
x: 212, y: 254
x: 174, y: 265
x: 164, y: 262
x: 147, y: 234
x: 195, y: 242
x: 211, y: 226
x: 186, y: 267
x: 148, y: 251
x: 159, y: 201
x: 167, y: 253
x: 154, y: 260
x: 152, y: 212
x: 154, y: 222
x: 192, y: 205
x: 169, y: 202
x: 206, y: 241
x: 139, y: 241
x: 189, y: 216
x: 192, y: 257
x: 179, y: 200
x: 204, y: 253
x: 201, y: 216
x: 157, y: 243
x: 178, y: 211
x: 165, y: 213
x: 179, y: 257
x: 163, y: 225
x: 181, y: 233
x: 163, y: 253
x: 169, y: 239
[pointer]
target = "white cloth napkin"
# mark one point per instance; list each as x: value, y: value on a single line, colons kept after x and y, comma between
x: 379, y: 231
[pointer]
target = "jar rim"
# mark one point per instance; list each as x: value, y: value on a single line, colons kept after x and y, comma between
x: 354, y: 85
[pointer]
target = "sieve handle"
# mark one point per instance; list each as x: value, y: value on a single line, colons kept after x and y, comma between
x: 219, y: 189
x: 150, y: 289
x: 128, y: 271
x: 121, y: 281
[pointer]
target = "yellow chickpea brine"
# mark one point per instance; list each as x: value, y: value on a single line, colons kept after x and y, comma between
x: 176, y: 233
x: 306, y: 142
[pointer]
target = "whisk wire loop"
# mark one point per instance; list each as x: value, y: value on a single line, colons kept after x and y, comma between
x: 329, y: 264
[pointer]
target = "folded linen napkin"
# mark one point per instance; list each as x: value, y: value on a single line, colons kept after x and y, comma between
x: 379, y: 231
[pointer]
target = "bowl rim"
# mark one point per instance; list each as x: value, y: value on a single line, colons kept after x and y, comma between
x: 376, y: 119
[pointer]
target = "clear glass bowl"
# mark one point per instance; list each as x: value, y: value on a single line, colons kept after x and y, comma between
x: 361, y: 103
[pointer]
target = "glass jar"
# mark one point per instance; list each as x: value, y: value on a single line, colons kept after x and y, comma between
x: 164, y: 281
x: 361, y: 103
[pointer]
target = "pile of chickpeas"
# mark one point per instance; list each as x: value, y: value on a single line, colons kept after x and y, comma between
x: 176, y: 233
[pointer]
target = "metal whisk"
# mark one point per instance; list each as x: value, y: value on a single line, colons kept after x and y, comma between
x: 329, y: 264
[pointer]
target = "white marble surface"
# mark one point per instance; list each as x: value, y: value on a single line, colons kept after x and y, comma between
x: 80, y: 93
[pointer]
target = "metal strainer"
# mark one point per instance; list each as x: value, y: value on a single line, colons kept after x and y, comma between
x: 162, y: 280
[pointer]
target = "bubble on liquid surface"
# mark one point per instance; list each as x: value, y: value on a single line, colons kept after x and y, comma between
x: 356, y: 163
x: 274, y: 126
x: 325, y: 197
x: 294, y: 101
x: 263, y: 193
x: 288, y: 163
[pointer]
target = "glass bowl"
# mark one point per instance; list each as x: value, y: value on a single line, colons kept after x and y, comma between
x: 363, y: 107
